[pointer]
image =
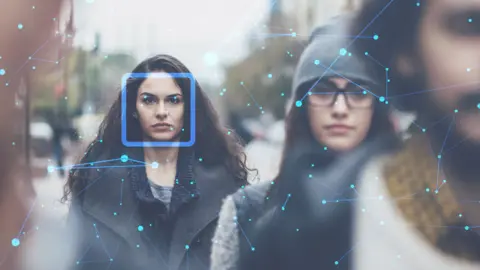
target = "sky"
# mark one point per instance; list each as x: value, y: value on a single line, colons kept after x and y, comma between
x: 204, y: 34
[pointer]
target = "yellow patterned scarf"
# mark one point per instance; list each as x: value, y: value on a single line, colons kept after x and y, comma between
x: 414, y: 173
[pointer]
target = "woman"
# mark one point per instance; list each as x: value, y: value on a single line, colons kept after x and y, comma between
x: 151, y: 207
x: 332, y: 114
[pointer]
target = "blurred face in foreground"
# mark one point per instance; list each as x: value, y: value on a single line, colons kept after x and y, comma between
x: 449, y: 49
x: 340, y: 113
x: 18, y: 42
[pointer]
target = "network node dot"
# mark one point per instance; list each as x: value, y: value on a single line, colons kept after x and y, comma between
x: 51, y: 169
x: 375, y: 37
x: 423, y: 130
x: 324, y: 202
x: 155, y: 165
x: 343, y: 51
x: 382, y: 99
x: 124, y: 158
x: 366, y: 53
x: 2, y: 72
x: 310, y: 176
x: 34, y: 68
x: 20, y: 26
x: 352, y: 186
x: 253, y: 248
x: 427, y: 190
x: 283, y: 208
x: 478, y: 105
x: 317, y: 62
x: 456, y: 111
x: 298, y: 229
x: 439, y: 156
x: 200, y: 159
x: 468, y: 69
x: 15, y: 242
x: 111, y: 259
x: 298, y: 103
x: 467, y: 228
x: 294, y: 34
x: 269, y: 76
x: 187, y: 247
x: 336, y: 262
x: 140, y: 228
x: 282, y: 94
x: 114, y: 213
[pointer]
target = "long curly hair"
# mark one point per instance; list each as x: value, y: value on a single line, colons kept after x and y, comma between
x: 216, y: 145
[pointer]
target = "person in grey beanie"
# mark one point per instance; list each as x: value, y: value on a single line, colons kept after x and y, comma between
x: 335, y: 111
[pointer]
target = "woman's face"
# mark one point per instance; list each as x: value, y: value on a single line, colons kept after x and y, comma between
x: 160, y: 108
x: 340, y: 124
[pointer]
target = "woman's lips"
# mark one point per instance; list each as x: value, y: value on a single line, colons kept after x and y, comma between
x: 162, y: 127
x: 338, y: 129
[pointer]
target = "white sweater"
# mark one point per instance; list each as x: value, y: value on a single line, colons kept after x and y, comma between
x: 383, y: 239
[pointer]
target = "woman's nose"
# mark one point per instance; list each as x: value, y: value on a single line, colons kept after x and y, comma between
x: 161, y: 110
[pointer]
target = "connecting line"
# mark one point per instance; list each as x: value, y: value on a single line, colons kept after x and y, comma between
x: 103, y: 167
x: 437, y: 89
x: 101, y: 242
x: 386, y: 83
x: 251, y: 96
x: 456, y: 145
x: 350, y: 81
x: 85, y: 253
x: 375, y: 60
x: 121, y: 193
x: 286, y: 201
x: 27, y: 217
x: 88, y: 163
x: 347, y: 252
x: 39, y: 48
x: 439, y: 121
x: 243, y: 232
x: 138, y: 161
x: 443, y: 145
x: 293, y: 34
x: 43, y: 60
x: 356, y: 37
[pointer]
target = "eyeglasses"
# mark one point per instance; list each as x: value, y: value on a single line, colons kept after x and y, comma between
x: 327, y: 96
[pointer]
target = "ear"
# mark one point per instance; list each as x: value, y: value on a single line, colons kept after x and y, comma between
x: 405, y: 65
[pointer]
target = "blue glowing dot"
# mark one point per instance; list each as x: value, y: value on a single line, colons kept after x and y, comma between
x: 436, y: 191
x: 241, y: 83
x: 101, y: 141
x: 349, y: 54
x: 343, y: 51
x: 317, y: 62
x: 187, y: 247
x: 456, y: 111
x: 467, y: 228
x: 427, y: 190
x: 366, y: 53
x: 324, y: 202
x: 253, y: 248
x: 283, y: 208
x: 310, y: 176
x: 140, y: 228
x: 352, y: 186
x: 138, y: 246
x: 124, y: 158
x: 459, y: 215
x: 154, y: 165
x: 289, y: 195
x: 224, y: 90
x: 298, y: 103
x: 298, y: 229
x: 423, y: 130
x: 120, y: 204
x: 270, y: 76
x: 114, y: 213
x: 418, y: 4
x: 336, y: 262
x: 444, y: 181
x: 364, y: 92
x: 34, y: 68
x: 78, y: 262
x: 282, y: 94
x: 200, y: 159
x: 2, y: 72
x: 51, y: 169
x: 375, y: 37
x: 15, y: 242
x: 478, y: 105
x: 20, y: 26
x: 221, y: 94
x: 382, y: 99
x: 470, y: 20
x: 325, y: 148
x: 388, y: 80
x: 439, y: 156
x: 386, y: 102
x: 387, y: 69
x: 6, y: 84
x: 294, y: 34
x: 111, y: 259
x: 313, y: 165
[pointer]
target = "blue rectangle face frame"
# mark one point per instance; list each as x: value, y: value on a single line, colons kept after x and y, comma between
x: 128, y: 143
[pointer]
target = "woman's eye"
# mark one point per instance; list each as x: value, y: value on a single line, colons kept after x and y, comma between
x: 466, y: 25
x: 148, y: 99
x: 174, y: 99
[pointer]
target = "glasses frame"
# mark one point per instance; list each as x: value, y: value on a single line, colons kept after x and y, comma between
x: 345, y: 93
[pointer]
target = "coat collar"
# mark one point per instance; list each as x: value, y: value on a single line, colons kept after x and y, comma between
x: 110, y: 200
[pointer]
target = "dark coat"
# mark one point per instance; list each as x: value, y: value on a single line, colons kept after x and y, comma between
x: 107, y: 212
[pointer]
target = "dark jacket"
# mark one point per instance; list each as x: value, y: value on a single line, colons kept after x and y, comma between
x: 109, y: 213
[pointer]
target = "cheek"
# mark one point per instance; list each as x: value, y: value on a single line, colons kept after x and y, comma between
x: 316, y: 118
x: 450, y: 63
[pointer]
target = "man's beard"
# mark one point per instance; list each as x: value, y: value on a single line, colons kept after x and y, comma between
x: 459, y: 154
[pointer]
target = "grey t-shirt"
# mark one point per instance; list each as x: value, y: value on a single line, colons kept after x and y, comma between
x: 162, y: 193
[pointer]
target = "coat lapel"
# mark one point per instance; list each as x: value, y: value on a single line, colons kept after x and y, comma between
x: 213, y: 186
x: 110, y: 200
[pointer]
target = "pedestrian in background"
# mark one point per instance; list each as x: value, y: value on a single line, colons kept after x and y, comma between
x: 334, y: 112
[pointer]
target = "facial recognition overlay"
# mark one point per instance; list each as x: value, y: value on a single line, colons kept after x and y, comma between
x: 190, y: 110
